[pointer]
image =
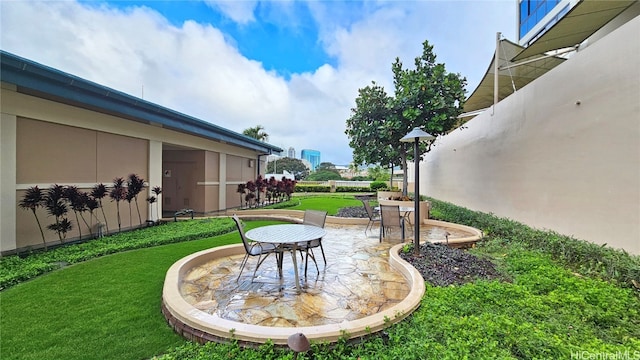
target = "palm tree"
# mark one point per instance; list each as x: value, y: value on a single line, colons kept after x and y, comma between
x: 257, y: 132
x: 151, y: 200
x: 157, y: 190
x: 33, y: 199
x: 135, y: 185
x: 117, y: 194
x: 78, y: 201
x: 54, y: 202
x: 98, y: 192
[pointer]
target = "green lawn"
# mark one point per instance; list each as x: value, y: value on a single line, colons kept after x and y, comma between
x: 109, y: 307
x: 105, y: 308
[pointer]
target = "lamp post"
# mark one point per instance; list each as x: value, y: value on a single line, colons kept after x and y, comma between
x: 416, y: 135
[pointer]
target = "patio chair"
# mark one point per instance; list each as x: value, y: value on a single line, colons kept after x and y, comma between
x: 390, y: 219
x: 315, y: 218
x: 253, y: 248
x: 374, y: 217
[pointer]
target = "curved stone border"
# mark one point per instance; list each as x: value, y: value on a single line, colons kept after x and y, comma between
x: 199, y: 326
x: 476, y: 234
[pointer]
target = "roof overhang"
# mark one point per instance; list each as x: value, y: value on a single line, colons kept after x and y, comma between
x: 582, y: 21
x: 36, y: 79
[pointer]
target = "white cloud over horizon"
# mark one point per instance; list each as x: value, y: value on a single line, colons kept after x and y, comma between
x: 197, y: 69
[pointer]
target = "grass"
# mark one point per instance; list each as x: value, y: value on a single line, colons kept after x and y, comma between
x: 105, y: 308
x: 109, y: 307
x: 329, y: 203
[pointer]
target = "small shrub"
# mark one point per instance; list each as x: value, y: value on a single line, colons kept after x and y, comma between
x: 378, y: 185
x: 313, y: 188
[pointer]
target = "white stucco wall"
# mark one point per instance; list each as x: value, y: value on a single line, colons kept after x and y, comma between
x: 545, y: 160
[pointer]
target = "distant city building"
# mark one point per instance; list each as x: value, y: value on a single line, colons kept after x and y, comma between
x: 291, y: 152
x: 312, y: 156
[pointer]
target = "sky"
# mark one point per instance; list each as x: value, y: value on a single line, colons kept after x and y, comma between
x: 293, y: 67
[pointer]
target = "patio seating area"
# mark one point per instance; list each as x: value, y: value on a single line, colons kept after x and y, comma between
x: 363, y: 286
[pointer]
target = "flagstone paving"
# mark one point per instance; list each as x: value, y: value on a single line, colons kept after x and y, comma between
x: 359, y: 290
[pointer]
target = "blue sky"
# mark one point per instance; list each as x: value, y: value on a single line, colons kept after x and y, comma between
x: 293, y: 67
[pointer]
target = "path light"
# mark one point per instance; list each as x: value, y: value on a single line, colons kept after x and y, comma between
x: 416, y: 135
x: 298, y: 343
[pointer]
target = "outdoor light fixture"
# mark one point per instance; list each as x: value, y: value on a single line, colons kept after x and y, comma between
x: 416, y: 135
x: 298, y: 343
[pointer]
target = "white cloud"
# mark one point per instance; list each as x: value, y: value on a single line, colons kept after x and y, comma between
x: 238, y: 11
x: 195, y: 69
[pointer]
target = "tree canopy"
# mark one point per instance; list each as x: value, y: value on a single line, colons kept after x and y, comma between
x: 323, y: 175
x: 292, y: 165
x: 256, y: 132
x: 425, y: 96
x: 327, y: 166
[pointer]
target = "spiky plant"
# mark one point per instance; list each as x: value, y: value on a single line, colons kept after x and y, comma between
x: 99, y: 192
x: 32, y: 200
x: 117, y: 194
x: 135, y: 185
x: 151, y: 200
x: 240, y: 190
x: 56, y: 206
x: 78, y: 201
x: 157, y: 190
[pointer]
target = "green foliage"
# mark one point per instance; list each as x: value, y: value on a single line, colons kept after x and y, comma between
x: 378, y: 173
x: 582, y: 256
x: 426, y: 96
x: 327, y: 166
x: 378, y: 185
x: 546, y: 311
x: 323, y: 175
x: 313, y: 188
x: 257, y: 133
x: 292, y: 165
x: 15, y: 269
x: 350, y: 189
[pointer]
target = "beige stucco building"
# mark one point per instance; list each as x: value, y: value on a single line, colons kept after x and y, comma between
x: 561, y: 152
x: 57, y: 128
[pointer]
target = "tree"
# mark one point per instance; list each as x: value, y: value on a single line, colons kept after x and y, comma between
x: 135, y: 185
x: 117, y: 194
x: 366, y: 127
x: 294, y: 166
x: 32, y: 200
x: 257, y: 133
x: 54, y: 202
x: 323, y: 175
x: 426, y: 96
x: 326, y: 166
x: 98, y: 192
x: 377, y: 173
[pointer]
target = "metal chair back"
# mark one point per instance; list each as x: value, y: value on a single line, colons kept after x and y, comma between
x: 391, y: 219
x: 314, y: 217
x: 245, y: 242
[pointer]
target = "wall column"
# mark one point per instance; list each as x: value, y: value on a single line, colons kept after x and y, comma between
x: 222, y: 190
x: 155, y: 177
x: 8, y: 138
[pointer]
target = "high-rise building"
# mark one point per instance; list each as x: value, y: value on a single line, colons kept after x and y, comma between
x: 291, y: 152
x: 535, y: 17
x: 312, y: 156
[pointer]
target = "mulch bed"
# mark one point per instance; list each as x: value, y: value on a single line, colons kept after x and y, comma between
x: 438, y: 264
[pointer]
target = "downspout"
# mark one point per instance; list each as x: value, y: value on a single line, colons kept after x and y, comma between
x: 496, y: 64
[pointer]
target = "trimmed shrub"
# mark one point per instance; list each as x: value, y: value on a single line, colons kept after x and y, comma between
x: 378, y: 185
x: 313, y: 188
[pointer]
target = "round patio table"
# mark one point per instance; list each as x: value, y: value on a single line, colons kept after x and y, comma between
x: 287, y: 237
